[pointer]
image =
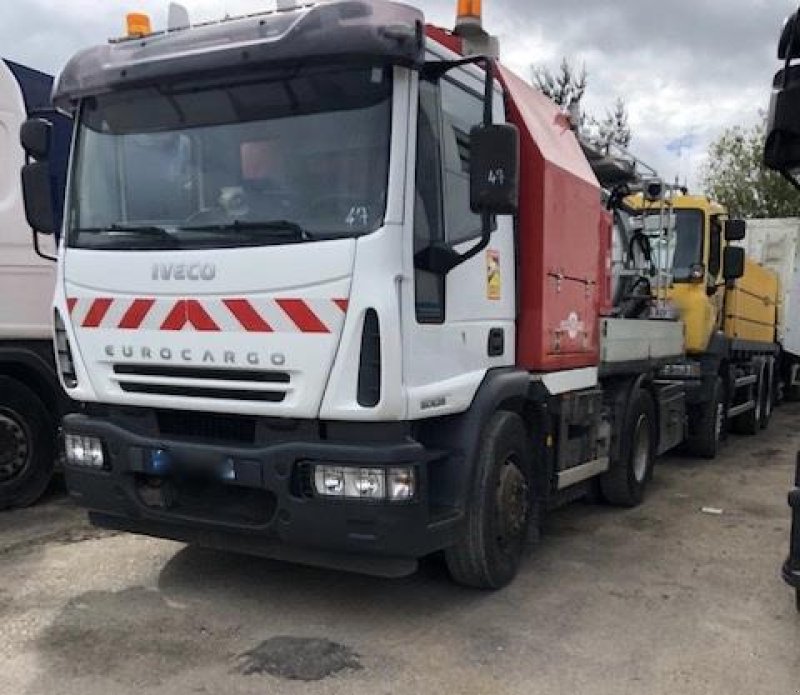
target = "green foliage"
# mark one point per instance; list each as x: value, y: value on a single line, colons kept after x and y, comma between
x: 736, y: 176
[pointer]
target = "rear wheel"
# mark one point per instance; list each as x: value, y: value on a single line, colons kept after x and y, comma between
x: 625, y: 483
x: 710, y: 427
x: 27, y: 445
x: 750, y: 422
x: 768, y: 396
x: 498, y: 514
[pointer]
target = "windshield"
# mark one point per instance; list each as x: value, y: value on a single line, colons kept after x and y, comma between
x: 289, y: 158
x: 683, y: 248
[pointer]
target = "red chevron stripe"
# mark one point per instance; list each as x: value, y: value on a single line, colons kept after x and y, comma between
x: 97, y: 312
x: 189, y: 311
x: 199, y: 317
x: 343, y: 304
x: 247, y: 316
x: 71, y: 303
x: 302, y: 316
x: 136, y: 314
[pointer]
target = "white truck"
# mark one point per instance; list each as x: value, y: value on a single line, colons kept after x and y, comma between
x: 31, y: 398
x: 775, y: 243
x: 335, y: 286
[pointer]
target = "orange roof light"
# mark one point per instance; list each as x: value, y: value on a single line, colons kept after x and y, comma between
x: 469, y: 8
x: 138, y: 24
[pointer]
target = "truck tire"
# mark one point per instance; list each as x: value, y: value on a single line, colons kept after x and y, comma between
x: 625, y: 483
x: 27, y: 445
x: 749, y: 423
x: 710, y: 426
x: 489, y: 550
x: 768, y: 394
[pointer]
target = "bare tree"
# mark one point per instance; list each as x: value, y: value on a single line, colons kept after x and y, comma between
x: 615, y: 127
x: 567, y: 88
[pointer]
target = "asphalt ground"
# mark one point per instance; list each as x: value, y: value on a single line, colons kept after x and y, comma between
x: 680, y: 596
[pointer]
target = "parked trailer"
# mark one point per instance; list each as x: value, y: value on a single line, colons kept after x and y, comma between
x: 31, y: 398
x: 361, y: 312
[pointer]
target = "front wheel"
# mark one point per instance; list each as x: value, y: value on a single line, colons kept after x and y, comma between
x: 709, y: 429
x: 489, y: 550
x: 625, y: 482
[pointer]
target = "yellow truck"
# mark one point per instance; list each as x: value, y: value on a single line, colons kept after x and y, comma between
x: 730, y: 309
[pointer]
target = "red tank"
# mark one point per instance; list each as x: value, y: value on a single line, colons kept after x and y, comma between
x: 564, y: 237
x: 564, y: 233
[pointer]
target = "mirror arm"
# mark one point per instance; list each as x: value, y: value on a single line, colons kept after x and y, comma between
x: 38, y: 249
x: 439, y: 258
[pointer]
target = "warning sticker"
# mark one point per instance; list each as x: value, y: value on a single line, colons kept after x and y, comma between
x: 494, y: 278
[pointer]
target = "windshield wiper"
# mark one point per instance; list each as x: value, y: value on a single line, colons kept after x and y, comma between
x: 143, y: 230
x: 270, y: 228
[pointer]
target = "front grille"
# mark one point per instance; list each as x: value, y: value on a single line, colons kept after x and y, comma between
x: 201, y: 373
x: 198, y: 382
x: 209, y: 426
x: 204, y: 392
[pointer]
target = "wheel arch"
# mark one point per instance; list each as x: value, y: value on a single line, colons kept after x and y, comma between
x: 502, y: 389
x: 31, y: 370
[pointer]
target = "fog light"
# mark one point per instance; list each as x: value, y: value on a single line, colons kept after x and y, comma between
x: 84, y: 451
x: 365, y: 483
x: 376, y: 484
x: 329, y: 481
x: 401, y: 484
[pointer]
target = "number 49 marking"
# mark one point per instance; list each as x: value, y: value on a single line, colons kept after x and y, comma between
x: 497, y: 177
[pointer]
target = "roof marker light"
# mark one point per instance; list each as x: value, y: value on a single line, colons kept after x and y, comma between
x: 138, y: 24
x: 470, y: 18
x: 469, y: 8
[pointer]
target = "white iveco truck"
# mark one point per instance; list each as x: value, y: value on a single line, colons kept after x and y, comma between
x: 335, y: 286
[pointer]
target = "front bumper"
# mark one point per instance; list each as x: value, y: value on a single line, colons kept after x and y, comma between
x: 264, y: 504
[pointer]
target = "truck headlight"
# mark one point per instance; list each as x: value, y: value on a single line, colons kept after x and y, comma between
x: 371, y: 484
x: 85, y: 452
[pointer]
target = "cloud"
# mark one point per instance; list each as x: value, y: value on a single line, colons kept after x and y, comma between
x: 685, y: 67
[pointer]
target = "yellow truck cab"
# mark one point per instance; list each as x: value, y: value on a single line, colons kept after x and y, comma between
x: 729, y: 307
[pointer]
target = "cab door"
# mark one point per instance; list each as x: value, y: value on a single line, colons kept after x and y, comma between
x: 462, y: 324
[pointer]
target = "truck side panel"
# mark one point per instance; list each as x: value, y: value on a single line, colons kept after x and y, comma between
x: 560, y: 246
x: 751, y: 306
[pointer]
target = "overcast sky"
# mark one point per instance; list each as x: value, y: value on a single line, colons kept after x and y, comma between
x: 687, y: 68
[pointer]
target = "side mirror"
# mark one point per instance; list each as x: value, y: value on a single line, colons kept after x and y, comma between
x: 733, y: 263
x: 735, y: 230
x: 37, y: 182
x: 36, y: 137
x: 782, y: 150
x: 789, y: 45
x: 494, y: 170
